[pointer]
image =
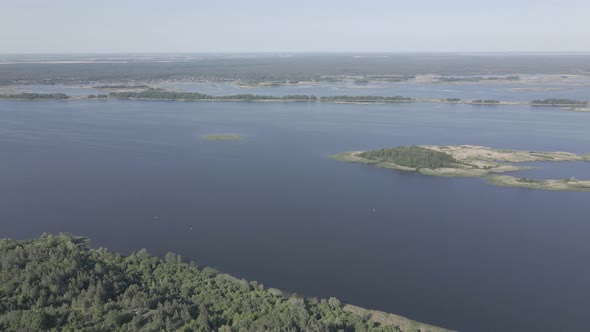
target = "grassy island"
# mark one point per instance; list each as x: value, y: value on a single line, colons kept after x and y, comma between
x: 470, y: 161
x: 222, y: 137
x: 58, y: 283
x: 558, y: 102
x: 485, y: 101
x: 576, y: 109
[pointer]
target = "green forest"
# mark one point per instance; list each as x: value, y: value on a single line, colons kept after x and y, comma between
x: 411, y: 156
x: 367, y: 98
x: 172, y: 95
x: 35, y: 96
x: 58, y: 283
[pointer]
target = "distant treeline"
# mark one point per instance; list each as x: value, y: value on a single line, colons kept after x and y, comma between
x: 476, y: 79
x: 171, y: 95
x: 557, y: 101
x: 366, y: 98
x: 271, y: 68
x: 35, y: 96
x: 121, y: 86
x: 486, y: 101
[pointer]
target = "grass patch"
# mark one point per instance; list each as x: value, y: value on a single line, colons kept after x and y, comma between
x: 222, y: 137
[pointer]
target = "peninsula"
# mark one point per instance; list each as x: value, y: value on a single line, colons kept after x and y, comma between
x: 470, y: 161
x: 68, y: 286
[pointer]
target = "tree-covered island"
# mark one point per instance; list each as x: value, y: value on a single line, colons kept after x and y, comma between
x: 162, y: 94
x: 470, y: 161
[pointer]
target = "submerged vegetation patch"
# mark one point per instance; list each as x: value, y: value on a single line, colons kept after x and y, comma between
x: 222, y: 137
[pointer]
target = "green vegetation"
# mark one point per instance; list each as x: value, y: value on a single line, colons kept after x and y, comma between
x: 99, y: 96
x: 558, y: 101
x: 159, y: 94
x: 366, y: 99
x: 411, y: 156
x: 222, y: 137
x: 452, y: 100
x: 486, y: 101
x: 57, y: 283
x: 473, y: 79
x: 389, y: 78
x: 35, y: 96
x: 121, y: 86
x: 172, y: 95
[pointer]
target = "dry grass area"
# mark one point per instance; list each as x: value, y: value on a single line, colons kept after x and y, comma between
x: 473, y: 154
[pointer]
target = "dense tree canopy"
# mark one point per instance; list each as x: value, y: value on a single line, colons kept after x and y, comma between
x: 411, y: 156
x: 57, y: 283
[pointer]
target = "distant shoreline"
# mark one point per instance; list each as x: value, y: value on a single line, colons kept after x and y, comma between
x: 566, y: 107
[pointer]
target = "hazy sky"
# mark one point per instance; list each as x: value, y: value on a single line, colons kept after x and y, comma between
x: 60, y: 26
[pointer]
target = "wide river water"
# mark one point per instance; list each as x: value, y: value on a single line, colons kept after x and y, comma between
x: 454, y: 252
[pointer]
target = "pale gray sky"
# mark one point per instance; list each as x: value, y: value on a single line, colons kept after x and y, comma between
x: 90, y: 26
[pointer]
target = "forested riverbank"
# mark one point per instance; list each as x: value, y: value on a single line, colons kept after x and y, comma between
x: 58, y: 283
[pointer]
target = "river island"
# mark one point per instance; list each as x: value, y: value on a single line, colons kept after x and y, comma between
x: 470, y: 161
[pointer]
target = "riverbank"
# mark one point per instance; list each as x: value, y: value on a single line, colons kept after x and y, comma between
x: 69, y: 286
